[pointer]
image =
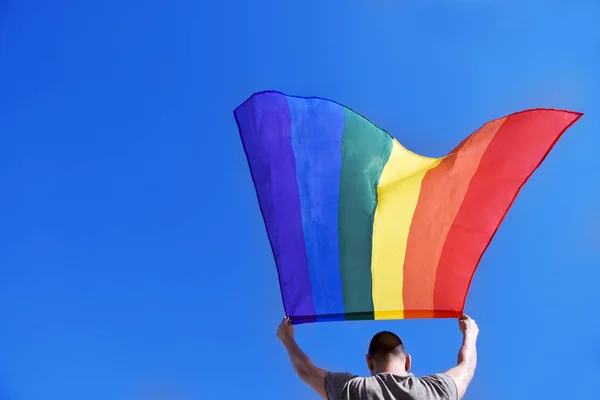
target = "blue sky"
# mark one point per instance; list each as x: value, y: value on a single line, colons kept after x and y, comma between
x: 133, y: 257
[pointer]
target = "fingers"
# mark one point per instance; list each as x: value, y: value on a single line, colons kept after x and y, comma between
x: 468, y: 325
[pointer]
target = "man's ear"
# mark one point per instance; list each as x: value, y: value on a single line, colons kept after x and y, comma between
x: 407, y: 363
x: 369, y: 362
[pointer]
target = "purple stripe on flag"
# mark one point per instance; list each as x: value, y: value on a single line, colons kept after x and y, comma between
x: 265, y: 128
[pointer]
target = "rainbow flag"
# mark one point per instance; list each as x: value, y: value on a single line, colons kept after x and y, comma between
x: 362, y: 228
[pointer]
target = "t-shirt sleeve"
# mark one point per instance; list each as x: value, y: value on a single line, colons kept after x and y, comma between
x: 335, y: 383
x: 440, y: 387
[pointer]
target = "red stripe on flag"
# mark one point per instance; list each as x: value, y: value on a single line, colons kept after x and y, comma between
x: 516, y: 151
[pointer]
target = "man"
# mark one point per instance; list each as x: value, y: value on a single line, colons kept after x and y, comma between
x: 389, y: 365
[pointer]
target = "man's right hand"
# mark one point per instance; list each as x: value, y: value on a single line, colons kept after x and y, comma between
x: 468, y: 327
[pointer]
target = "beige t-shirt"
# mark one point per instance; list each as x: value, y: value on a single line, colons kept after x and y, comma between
x: 342, y: 386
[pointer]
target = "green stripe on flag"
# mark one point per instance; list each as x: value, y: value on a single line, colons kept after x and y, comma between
x: 365, y: 151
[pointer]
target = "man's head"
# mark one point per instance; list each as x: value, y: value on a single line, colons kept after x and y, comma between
x: 387, y: 354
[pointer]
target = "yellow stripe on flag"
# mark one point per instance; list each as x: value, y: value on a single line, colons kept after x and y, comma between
x: 398, y: 194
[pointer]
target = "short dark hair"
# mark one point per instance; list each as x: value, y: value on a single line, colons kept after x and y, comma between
x: 385, y: 344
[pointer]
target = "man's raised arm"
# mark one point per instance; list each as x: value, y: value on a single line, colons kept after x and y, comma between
x: 464, y: 371
x: 306, y: 370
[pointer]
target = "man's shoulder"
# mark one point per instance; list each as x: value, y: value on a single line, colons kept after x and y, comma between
x: 340, y: 378
x: 444, y: 379
x: 335, y: 382
x: 440, y: 386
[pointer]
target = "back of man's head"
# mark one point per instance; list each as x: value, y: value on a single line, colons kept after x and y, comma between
x: 386, y: 351
x: 385, y: 345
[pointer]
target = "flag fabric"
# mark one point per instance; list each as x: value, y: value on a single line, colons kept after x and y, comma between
x: 362, y: 228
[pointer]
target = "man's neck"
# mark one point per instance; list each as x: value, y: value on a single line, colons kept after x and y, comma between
x: 391, y: 369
